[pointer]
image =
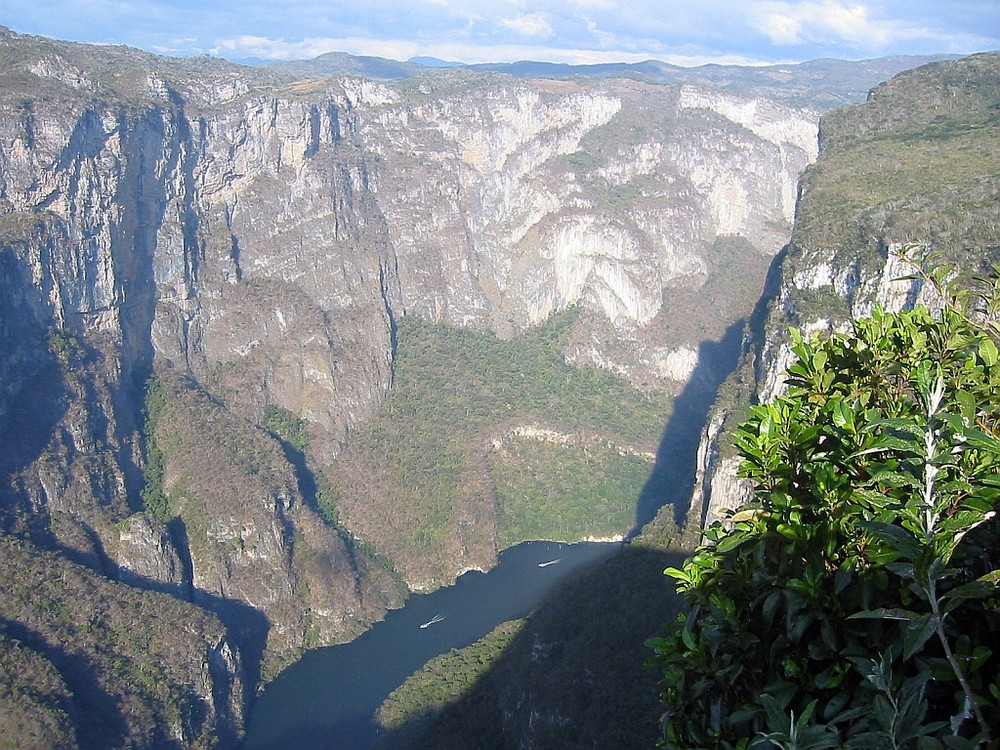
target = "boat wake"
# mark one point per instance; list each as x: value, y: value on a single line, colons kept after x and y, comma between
x: 435, y: 619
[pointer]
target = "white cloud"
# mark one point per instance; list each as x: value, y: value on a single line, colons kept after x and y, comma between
x: 826, y: 22
x: 533, y: 24
x: 780, y: 28
x: 605, y: 39
x: 306, y: 49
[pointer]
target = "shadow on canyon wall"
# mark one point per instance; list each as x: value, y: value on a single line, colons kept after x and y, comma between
x: 672, y: 479
x: 574, y: 676
x: 96, y: 713
x: 33, y: 392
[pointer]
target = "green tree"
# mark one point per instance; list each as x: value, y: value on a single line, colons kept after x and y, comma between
x: 154, y: 497
x: 853, y: 602
x: 286, y: 425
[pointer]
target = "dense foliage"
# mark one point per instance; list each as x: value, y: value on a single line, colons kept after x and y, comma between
x: 154, y: 498
x: 854, y: 602
x: 563, y: 450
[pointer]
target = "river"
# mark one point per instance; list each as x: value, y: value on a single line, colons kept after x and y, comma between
x: 327, y: 699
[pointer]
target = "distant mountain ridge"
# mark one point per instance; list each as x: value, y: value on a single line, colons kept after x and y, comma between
x: 822, y: 83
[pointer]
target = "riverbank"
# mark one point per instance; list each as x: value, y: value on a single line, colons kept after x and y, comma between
x: 328, y: 698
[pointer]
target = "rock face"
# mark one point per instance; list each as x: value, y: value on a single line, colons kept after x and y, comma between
x: 242, y: 244
x: 261, y: 240
x: 508, y: 201
x: 911, y: 170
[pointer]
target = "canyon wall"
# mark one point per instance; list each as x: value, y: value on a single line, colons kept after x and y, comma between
x: 253, y: 241
x: 198, y: 260
x: 911, y: 173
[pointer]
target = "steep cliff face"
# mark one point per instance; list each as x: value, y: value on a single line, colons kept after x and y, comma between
x: 913, y: 168
x: 126, y: 220
x: 132, y: 225
x: 511, y: 201
x: 261, y: 238
x: 189, y: 248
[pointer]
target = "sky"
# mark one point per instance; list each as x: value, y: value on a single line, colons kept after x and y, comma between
x: 682, y: 32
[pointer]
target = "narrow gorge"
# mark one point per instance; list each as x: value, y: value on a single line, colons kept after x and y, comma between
x: 278, y: 348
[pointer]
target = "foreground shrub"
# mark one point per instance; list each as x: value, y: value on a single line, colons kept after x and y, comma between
x: 853, y: 602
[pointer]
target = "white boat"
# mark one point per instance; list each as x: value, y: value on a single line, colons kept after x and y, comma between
x: 549, y: 562
x: 436, y: 618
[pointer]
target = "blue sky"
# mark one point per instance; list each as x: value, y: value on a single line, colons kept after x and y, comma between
x: 684, y: 32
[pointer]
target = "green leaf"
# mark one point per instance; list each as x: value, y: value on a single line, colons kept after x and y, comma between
x: 688, y: 639
x: 843, y: 417
x: 680, y: 575
x: 896, y: 479
x: 885, y: 443
x: 982, y: 440
x: 789, y: 532
x: 980, y: 588
x: 968, y: 405
x: 819, y: 360
x: 916, y: 634
x: 731, y: 541
x: 953, y: 742
x: 988, y: 352
x: 901, y: 540
x: 883, y: 711
x: 834, y: 706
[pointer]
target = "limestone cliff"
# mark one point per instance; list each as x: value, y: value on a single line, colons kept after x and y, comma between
x: 195, y: 256
x: 912, y: 168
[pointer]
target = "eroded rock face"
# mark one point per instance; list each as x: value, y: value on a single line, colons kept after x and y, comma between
x: 511, y: 201
x: 253, y: 241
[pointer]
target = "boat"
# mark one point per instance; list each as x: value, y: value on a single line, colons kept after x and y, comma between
x: 434, y: 619
x: 549, y: 562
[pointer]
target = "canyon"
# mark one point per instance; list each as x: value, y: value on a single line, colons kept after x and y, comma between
x: 209, y: 278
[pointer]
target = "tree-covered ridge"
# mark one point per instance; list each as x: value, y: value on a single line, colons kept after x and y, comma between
x: 445, y: 679
x: 227, y: 488
x: 479, y: 435
x: 854, y: 602
x: 91, y: 663
x: 917, y: 163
